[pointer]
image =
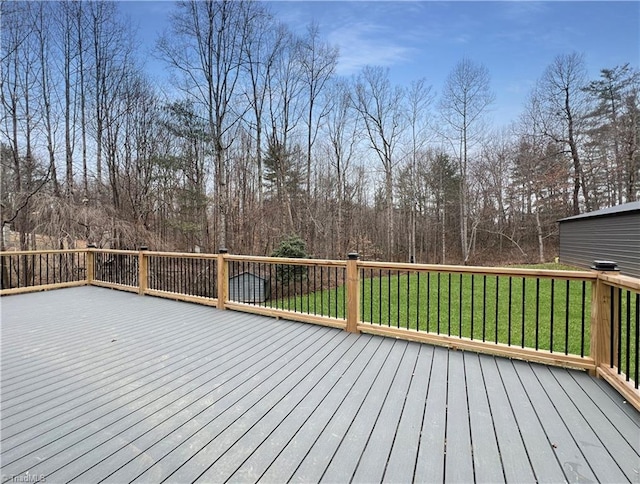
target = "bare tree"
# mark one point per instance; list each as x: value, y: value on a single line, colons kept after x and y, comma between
x: 318, y: 62
x: 206, y: 49
x: 465, y: 99
x: 562, y: 104
x: 380, y: 106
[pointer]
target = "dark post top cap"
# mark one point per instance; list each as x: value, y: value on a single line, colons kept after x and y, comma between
x: 223, y: 251
x: 353, y: 255
x: 604, y: 265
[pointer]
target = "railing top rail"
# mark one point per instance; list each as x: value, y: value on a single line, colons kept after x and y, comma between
x: 114, y: 251
x: 36, y: 252
x: 623, y: 282
x: 185, y: 255
x: 287, y: 260
x: 479, y: 270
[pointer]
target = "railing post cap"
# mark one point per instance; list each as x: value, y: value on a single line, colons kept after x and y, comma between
x: 353, y: 255
x: 605, y: 265
x: 223, y: 251
x: 144, y: 247
x: 91, y: 246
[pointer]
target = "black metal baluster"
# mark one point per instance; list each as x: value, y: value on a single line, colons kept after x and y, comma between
x: 428, y: 299
x: 566, y: 319
x: 496, y: 311
x: 408, y: 298
x: 40, y: 269
x: 524, y: 282
x: 321, y: 290
x: 628, y: 352
x: 460, y: 305
x: 438, y: 325
x: 619, y: 330
x: 389, y: 298
x: 473, y: 308
x: 380, y: 296
x: 398, y: 308
x: 537, y: 311
x: 611, y: 330
x: 418, y: 301
x: 484, y: 307
x: 509, y: 313
x: 337, y: 315
x: 449, y: 304
x: 636, y: 379
x: 33, y: 270
x: 582, y: 323
x: 553, y: 298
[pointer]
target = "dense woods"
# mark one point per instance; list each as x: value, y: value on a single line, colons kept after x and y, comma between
x: 257, y: 139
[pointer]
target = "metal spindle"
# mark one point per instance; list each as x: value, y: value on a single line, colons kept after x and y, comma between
x: 619, y: 360
x: 628, y: 352
x: 611, y: 323
x: 408, y: 298
x: 460, y: 307
x: 553, y: 294
x: 566, y: 320
x: 438, y: 322
x: 484, y: 307
x: 449, y: 305
x: 509, y: 313
x: 496, y: 312
x: 389, y: 298
x: 418, y: 301
x: 582, y: 323
x: 523, y: 309
x: 473, y: 308
x: 537, y: 311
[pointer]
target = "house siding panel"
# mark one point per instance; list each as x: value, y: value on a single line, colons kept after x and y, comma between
x: 613, y: 237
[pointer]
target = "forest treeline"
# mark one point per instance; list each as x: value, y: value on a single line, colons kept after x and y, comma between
x: 257, y: 139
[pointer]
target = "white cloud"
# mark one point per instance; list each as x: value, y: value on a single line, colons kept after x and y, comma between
x: 365, y: 43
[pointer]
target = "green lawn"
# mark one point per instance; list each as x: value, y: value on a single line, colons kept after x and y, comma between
x: 493, y: 308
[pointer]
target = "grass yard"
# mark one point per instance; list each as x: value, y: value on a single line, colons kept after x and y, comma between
x: 526, y: 312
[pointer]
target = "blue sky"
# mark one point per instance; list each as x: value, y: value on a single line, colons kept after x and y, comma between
x: 515, y: 40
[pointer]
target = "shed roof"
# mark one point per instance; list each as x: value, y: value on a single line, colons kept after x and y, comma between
x: 248, y: 273
x: 618, y: 209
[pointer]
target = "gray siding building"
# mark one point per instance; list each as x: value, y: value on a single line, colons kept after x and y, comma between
x: 608, y: 234
x: 248, y: 287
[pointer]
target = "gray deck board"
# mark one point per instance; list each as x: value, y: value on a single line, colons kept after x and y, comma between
x: 486, y: 457
x: 515, y: 459
x: 106, y: 385
x: 543, y: 460
x: 407, y: 438
x: 458, y: 461
x: 602, y: 464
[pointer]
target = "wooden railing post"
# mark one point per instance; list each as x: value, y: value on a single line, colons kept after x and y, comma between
x: 353, y: 293
x: 602, y: 309
x: 223, y: 278
x: 143, y: 265
x: 91, y: 263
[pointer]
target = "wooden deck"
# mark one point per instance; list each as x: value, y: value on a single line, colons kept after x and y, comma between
x: 100, y: 385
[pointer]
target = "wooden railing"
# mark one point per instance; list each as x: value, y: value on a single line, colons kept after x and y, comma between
x: 580, y: 319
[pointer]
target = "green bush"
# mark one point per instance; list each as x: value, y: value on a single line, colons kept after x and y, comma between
x: 291, y: 247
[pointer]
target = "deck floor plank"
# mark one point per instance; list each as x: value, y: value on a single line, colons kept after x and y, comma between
x: 539, y: 450
x: 105, y: 385
x: 375, y: 456
x: 627, y: 456
x: 407, y: 438
x: 576, y: 467
x: 340, y: 400
x: 601, y: 463
x: 430, y: 462
x: 458, y: 461
x: 515, y: 460
x: 486, y: 457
